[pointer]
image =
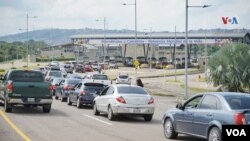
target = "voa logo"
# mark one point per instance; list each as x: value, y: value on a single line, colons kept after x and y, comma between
x: 228, y: 20
x: 236, y: 132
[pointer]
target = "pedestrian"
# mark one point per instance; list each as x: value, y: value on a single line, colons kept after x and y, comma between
x: 139, y: 82
x: 99, y: 69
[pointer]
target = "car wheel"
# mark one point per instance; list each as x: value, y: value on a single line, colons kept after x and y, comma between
x: 95, y: 111
x: 68, y: 101
x: 214, y: 134
x: 78, y: 104
x: 111, y: 116
x: 169, y: 130
x: 46, y: 108
x: 63, y: 99
x: 148, y: 117
x: 7, y: 107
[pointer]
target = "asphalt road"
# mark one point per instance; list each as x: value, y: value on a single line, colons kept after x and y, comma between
x: 66, y: 123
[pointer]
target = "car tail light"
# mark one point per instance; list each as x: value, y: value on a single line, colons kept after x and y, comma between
x: 151, y: 100
x: 10, y: 87
x: 239, y: 119
x: 51, y: 87
x: 82, y: 93
x: 66, y: 87
x: 121, y: 99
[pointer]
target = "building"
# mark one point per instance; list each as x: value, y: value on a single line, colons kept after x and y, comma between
x: 93, y: 46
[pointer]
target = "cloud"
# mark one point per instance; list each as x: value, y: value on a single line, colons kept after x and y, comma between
x: 160, y: 15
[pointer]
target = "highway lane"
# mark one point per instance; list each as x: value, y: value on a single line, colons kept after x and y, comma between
x: 66, y: 123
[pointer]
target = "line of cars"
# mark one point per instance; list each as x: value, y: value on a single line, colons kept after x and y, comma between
x: 96, y: 91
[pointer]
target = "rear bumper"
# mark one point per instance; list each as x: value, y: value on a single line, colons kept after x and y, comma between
x: 35, y: 101
x: 133, y: 110
x: 84, y: 100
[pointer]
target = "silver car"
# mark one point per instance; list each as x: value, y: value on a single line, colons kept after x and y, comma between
x: 124, y: 100
x: 123, y: 79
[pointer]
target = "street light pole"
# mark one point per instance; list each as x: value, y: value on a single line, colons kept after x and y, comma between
x: 186, y: 47
x: 104, y: 37
x: 135, y: 4
x: 186, y: 50
x: 27, y: 36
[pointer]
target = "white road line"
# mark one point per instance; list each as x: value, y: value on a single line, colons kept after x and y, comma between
x: 98, y: 120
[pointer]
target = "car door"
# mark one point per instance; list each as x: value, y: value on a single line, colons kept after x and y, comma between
x: 59, y: 89
x: 107, y: 98
x: 204, y: 114
x: 75, y: 93
x: 99, y: 100
x: 184, y: 118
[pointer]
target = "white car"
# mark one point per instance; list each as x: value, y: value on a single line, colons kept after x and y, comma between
x: 98, y: 78
x: 124, y: 100
x: 123, y: 79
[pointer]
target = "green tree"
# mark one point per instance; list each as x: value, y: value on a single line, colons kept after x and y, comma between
x: 230, y: 67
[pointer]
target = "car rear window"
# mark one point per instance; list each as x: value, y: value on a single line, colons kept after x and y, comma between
x: 131, y: 90
x: 123, y: 76
x: 92, y: 88
x: 55, y: 73
x: 100, y: 77
x: 26, y: 76
x: 238, y: 101
x: 56, y: 81
x: 72, y: 81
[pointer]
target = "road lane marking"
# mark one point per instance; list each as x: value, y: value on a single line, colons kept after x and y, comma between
x: 25, y: 137
x: 98, y: 120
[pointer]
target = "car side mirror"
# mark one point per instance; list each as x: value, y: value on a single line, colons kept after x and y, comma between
x: 179, y: 106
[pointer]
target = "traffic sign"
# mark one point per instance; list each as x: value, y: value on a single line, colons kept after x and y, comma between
x: 136, y: 63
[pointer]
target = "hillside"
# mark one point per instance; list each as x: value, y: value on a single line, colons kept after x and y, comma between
x: 59, y: 36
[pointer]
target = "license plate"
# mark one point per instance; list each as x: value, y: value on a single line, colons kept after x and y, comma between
x: 137, y: 110
x: 31, y: 99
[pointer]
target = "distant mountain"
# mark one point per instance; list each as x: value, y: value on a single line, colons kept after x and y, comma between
x: 60, y: 36
x: 56, y: 36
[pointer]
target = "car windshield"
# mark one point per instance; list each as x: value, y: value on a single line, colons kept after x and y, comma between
x: 100, y: 77
x: 55, y: 73
x: 123, y: 76
x: 237, y: 102
x: 26, y: 76
x: 131, y: 90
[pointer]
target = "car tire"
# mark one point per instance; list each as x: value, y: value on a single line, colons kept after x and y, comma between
x: 63, y: 99
x: 169, y: 131
x: 46, y: 108
x: 78, y: 104
x: 7, y: 107
x: 111, y: 115
x: 68, y: 101
x: 148, y: 117
x: 95, y: 110
x: 214, y: 134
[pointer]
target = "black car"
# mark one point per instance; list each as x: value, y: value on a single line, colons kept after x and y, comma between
x: 84, y: 94
x: 65, y: 87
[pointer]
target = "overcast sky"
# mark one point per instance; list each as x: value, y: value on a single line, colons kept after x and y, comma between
x: 160, y: 15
